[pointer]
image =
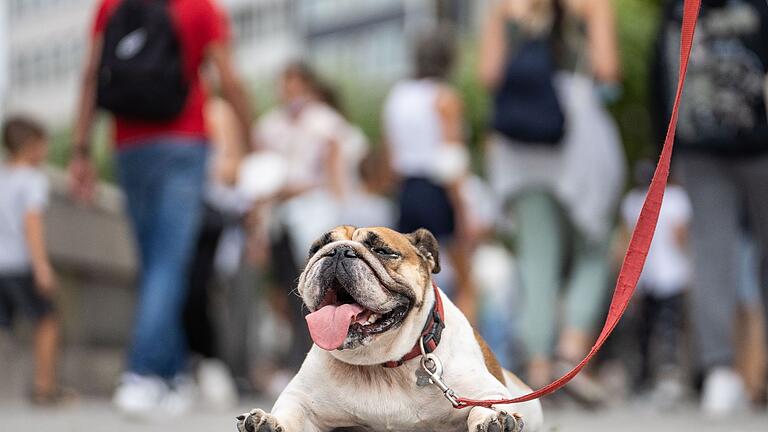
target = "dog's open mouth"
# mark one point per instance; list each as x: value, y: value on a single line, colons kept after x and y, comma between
x: 340, y: 315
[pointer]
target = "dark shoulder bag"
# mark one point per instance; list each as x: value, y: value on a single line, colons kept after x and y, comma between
x: 526, y: 107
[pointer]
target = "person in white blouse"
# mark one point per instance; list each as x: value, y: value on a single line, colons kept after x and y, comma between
x: 307, y: 135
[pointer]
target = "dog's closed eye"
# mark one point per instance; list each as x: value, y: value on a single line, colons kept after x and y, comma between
x: 385, y: 252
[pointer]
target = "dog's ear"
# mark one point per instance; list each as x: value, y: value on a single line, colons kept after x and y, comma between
x: 319, y: 243
x: 427, y: 245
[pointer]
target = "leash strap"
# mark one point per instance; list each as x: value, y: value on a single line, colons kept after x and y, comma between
x: 634, y: 259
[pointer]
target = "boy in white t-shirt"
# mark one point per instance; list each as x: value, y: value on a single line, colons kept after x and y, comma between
x: 662, y: 285
x: 27, y: 280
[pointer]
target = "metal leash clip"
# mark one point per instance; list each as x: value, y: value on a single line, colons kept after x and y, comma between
x: 432, y: 373
x: 433, y: 368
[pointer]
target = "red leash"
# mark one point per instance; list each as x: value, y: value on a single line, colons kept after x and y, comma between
x: 641, y: 237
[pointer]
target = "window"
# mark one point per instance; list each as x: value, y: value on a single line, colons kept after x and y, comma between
x: 48, y: 62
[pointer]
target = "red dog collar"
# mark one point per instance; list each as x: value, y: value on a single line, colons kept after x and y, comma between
x: 430, y: 336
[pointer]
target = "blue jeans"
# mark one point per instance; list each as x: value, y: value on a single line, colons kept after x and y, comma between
x: 163, y: 183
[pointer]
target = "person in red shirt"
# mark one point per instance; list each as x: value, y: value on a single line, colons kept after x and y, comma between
x: 161, y: 168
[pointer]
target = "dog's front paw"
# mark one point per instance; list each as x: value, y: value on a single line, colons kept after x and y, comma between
x: 500, y: 421
x: 258, y: 421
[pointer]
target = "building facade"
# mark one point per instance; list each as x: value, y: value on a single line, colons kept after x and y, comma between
x: 264, y: 35
x: 43, y: 43
x: 362, y: 39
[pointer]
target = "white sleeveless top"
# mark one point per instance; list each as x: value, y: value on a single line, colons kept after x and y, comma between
x: 412, y: 126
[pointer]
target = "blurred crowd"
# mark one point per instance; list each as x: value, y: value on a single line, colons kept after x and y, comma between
x: 533, y: 223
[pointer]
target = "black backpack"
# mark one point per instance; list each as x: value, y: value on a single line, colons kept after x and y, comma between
x: 723, y: 108
x: 141, y: 74
x: 526, y: 106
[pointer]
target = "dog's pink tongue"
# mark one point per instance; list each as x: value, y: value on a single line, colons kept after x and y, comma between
x: 329, y: 325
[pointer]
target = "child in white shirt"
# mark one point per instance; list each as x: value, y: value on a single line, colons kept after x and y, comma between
x: 27, y: 280
x: 662, y: 285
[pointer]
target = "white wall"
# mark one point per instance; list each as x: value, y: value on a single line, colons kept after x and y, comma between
x: 3, y: 56
x: 265, y: 36
x: 47, y: 39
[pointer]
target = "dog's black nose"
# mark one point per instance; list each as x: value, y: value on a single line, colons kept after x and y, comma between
x: 343, y: 252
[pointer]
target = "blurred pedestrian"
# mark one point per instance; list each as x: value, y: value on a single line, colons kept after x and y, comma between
x: 423, y: 122
x: 353, y: 144
x: 306, y: 133
x: 224, y: 207
x: 722, y: 157
x: 367, y: 178
x: 662, y: 287
x: 143, y: 65
x: 27, y: 280
x: 556, y: 154
x: 751, y: 351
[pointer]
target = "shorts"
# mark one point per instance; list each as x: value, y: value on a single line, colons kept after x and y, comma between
x: 18, y: 295
x: 424, y: 204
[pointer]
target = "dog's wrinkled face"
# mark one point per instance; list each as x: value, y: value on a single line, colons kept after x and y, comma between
x: 367, y: 285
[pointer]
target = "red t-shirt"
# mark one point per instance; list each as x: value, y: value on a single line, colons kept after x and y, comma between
x: 198, y: 23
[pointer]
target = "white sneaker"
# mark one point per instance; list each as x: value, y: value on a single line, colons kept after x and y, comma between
x: 668, y: 394
x: 180, y: 397
x: 217, y: 388
x: 723, y: 393
x: 139, y: 396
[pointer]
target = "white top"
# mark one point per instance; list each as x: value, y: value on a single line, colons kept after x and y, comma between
x: 23, y: 190
x: 365, y: 209
x: 667, y: 269
x: 302, y: 141
x: 482, y: 206
x: 412, y: 126
x: 354, y: 148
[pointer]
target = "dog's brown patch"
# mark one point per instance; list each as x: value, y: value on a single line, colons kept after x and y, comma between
x: 491, y: 363
x: 344, y: 232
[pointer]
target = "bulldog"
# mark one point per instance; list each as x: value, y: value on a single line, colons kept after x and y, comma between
x: 375, y: 317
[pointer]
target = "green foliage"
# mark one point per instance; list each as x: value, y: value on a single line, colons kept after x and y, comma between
x: 475, y: 97
x: 362, y: 104
x: 102, y: 150
x: 58, y: 153
x: 637, y: 26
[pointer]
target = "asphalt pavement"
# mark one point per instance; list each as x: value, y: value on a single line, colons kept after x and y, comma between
x: 97, y: 415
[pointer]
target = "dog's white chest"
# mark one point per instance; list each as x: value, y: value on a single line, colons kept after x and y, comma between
x: 396, y: 408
